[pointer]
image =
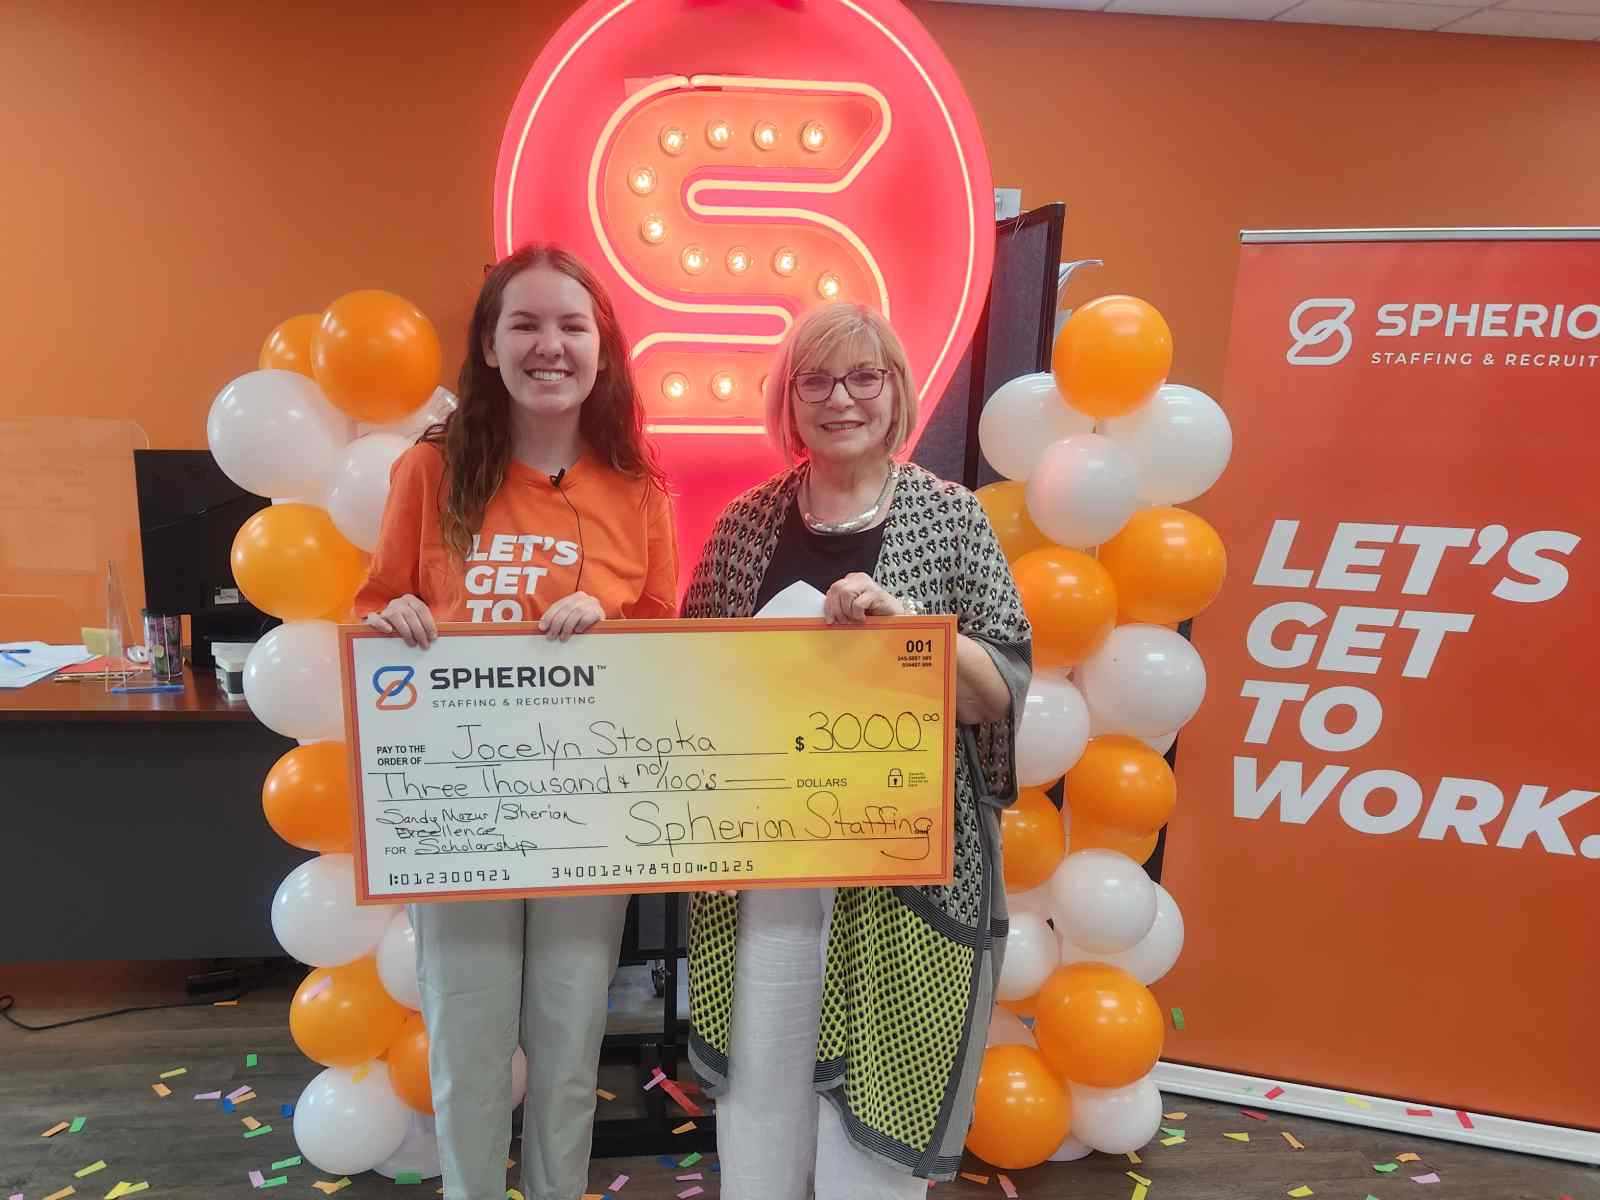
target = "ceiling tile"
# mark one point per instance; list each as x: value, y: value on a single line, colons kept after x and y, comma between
x: 1506, y: 22
x: 1590, y: 7
x: 1239, y: 10
x: 1380, y: 14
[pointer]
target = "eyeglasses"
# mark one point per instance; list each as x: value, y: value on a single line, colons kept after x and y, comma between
x: 861, y: 383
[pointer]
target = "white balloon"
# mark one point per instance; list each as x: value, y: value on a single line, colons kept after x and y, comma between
x: 519, y: 1077
x: 1035, y: 900
x: 1104, y: 901
x: 1116, y: 1120
x: 1153, y: 955
x: 315, y: 916
x: 291, y: 681
x: 1180, y: 441
x: 1071, y: 1150
x: 275, y: 434
x: 397, y: 961
x: 440, y: 405
x: 1052, y: 733
x: 1145, y: 680
x: 343, y: 1126
x: 360, y: 487
x: 1030, y: 956
x: 418, y: 1154
x: 1160, y: 742
x: 1007, y: 1029
x: 1023, y: 417
x: 1083, y: 490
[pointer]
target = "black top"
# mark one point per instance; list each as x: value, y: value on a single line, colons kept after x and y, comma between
x: 820, y: 559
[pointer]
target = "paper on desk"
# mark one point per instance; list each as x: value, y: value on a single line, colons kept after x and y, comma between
x: 797, y: 600
x: 42, y: 661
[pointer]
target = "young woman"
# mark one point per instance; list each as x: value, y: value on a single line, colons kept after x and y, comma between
x: 538, y: 500
x: 876, y: 998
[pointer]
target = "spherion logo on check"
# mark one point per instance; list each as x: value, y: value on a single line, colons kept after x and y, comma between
x: 394, y: 687
x: 1334, y: 324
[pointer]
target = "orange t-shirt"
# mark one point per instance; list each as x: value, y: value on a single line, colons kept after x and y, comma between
x: 599, y: 532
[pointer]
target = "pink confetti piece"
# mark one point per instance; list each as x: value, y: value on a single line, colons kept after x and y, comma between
x: 320, y: 986
x: 257, y: 1179
x: 237, y: 1092
x: 1009, y: 1188
x: 1430, y: 1177
x: 1466, y: 1121
x: 655, y: 1077
x: 1419, y: 1112
x: 208, y: 1095
x: 617, y: 1183
x: 16, y: 1196
x: 1254, y: 1116
x: 1274, y: 1093
x: 681, y: 1100
x: 691, y: 1177
x: 697, y: 1190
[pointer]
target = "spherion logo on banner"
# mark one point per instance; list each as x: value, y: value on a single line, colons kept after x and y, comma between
x: 1334, y: 324
x: 395, y: 690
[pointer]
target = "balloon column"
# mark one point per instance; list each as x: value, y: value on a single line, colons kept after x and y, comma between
x: 338, y: 397
x: 1096, y: 453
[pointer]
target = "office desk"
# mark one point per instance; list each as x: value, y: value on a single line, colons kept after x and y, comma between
x: 131, y: 826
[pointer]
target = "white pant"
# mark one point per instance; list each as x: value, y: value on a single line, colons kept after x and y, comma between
x: 775, y: 1137
x: 496, y: 973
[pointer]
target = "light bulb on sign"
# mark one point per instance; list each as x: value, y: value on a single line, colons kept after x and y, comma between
x: 723, y: 386
x: 785, y: 262
x: 766, y: 135
x: 673, y: 139
x: 653, y: 230
x: 738, y: 260
x: 828, y: 286
x: 642, y: 180
x: 719, y: 134
x: 694, y: 259
x: 814, y: 137
x: 675, y: 386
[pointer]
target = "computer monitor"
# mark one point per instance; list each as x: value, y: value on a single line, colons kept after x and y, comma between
x: 189, y: 512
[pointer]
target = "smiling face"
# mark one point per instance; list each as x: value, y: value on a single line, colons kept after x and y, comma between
x: 845, y: 428
x: 546, y: 344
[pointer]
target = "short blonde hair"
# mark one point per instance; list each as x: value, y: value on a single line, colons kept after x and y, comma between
x: 853, y: 331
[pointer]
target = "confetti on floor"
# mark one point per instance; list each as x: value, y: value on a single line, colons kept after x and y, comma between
x: 605, y: 1095
x: 1466, y: 1121
x: 513, y: 1194
x: 681, y: 1100
x: 1252, y: 1114
x: 286, y: 1109
x: 62, y: 1194
x: 692, y: 1159
x: 617, y: 1183
x: 161, y: 1090
x: 1140, y: 1191
x: 265, y: 1129
x: 1177, y: 1116
x: 1237, y: 1137
x: 280, y: 1180
x: 1274, y: 1093
x: 1134, y: 1158
x: 257, y: 1179
x: 691, y: 1177
x: 250, y: 1122
x: 77, y: 1124
x: 225, y: 1004
x: 251, y: 1060
x: 968, y: 1175
x: 174, y: 1073
x: 510, y: 1162
x: 1408, y: 1157
x: 238, y: 1092
x: 1386, y: 1168
x: 227, y: 1106
x: 1430, y: 1177
x: 91, y: 1168
x: 327, y: 1187
x: 686, y: 1127
x: 1301, y: 1192
x: 1294, y: 1142
x: 285, y: 1163
x: 411, y: 1177
x: 1137, y: 1178
x: 1007, y: 1187
x: 208, y: 1095
x: 134, y: 1188
x: 1175, y: 1140
x: 55, y: 1129
x: 1171, y: 1131
x: 246, y: 1098
x: 655, y: 1077
x: 1177, y: 1019
x: 1419, y: 1112
x: 697, y: 1190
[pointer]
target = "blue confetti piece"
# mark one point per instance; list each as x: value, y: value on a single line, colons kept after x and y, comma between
x: 667, y: 1162
x: 286, y: 1109
x: 228, y: 1106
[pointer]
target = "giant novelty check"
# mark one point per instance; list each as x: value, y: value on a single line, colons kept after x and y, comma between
x: 651, y: 756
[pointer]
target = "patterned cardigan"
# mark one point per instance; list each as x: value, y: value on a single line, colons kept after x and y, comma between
x: 911, y: 971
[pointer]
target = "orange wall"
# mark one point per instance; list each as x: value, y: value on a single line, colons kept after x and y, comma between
x: 177, y: 181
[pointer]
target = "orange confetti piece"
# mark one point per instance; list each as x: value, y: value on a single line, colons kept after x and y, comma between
x: 1294, y: 1142
x: 54, y: 1129
x: 1408, y: 1157
x: 1179, y: 1116
x: 685, y: 1127
x: 971, y: 1178
x: 250, y: 1123
x: 225, y: 1004
x: 62, y: 1194
x: 605, y: 1095
x: 246, y: 1096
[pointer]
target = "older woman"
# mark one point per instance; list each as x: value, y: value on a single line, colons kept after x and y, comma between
x: 877, y: 998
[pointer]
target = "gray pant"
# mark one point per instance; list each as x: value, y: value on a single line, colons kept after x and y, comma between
x: 494, y: 973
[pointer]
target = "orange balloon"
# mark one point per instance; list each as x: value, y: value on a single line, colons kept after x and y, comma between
x: 1098, y: 1025
x: 407, y: 1057
x: 1028, y: 1006
x: 1120, y: 783
x: 1071, y: 602
x: 1111, y: 356
x: 1168, y: 565
x: 290, y: 561
x: 1007, y: 508
x: 348, y: 1022
x: 376, y: 356
x: 1021, y: 1113
x: 1099, y: 837
x: 288, y: 347
x: 1033, y: 838
x: 306, y: 797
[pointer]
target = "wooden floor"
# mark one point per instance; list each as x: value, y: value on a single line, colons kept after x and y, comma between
x: 191, y: 1151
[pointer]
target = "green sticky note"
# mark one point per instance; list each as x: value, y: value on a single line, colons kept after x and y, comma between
x: 77, y: 1124
x: 250, y: 1133
x: 408, y: 1177
x: 691, y: 1160
x: 250, y: 1060
x: 275, y: 1181
x: 1177, y: 1019
x: 1172, y: 1132
x: 287, y: 1162
x: 1386, y: 1168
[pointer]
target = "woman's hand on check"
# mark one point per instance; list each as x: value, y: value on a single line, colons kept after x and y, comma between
x: 408, y: 619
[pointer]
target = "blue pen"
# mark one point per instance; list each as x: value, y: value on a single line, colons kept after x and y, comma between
x: 152, y: 687
x: 11, y: 655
